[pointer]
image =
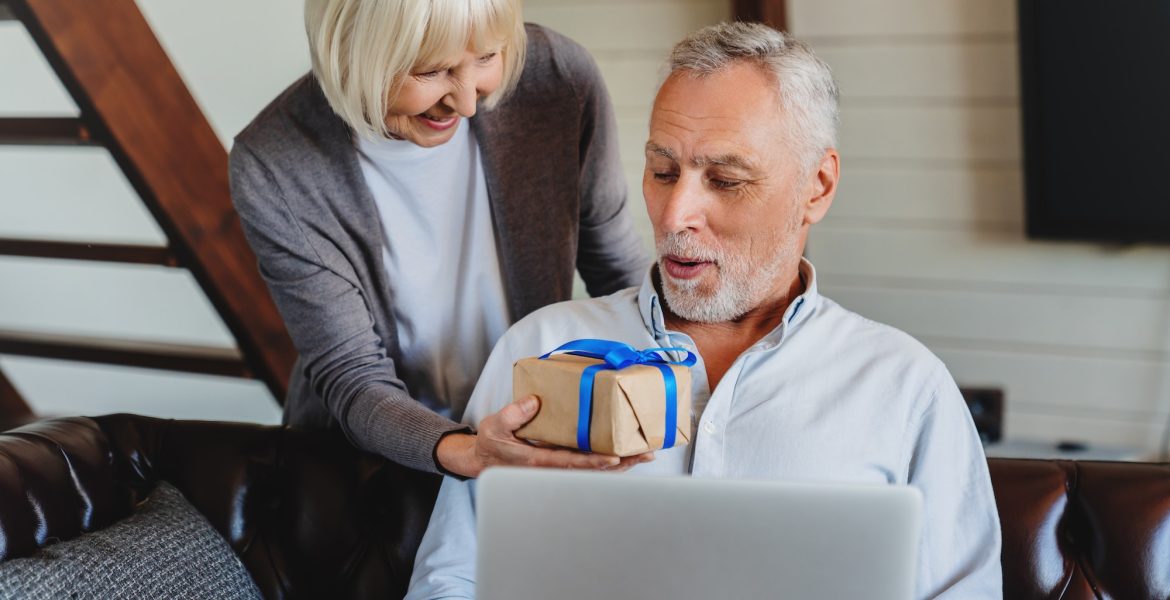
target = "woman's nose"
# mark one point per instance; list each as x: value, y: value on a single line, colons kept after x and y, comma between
x: 463, y: 98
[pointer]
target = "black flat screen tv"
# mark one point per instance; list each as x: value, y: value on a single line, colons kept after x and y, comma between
x: 1095, y: 94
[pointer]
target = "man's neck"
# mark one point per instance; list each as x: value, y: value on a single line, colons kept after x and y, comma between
x: 721, y: 343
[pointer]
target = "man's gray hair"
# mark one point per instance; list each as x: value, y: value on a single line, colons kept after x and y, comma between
x: 807, y: 92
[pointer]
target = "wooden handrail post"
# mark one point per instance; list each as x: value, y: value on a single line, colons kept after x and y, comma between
x: 773, y: 13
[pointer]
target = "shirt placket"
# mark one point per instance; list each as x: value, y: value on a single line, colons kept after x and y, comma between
x: 710, y: 456
x: 711, y: 447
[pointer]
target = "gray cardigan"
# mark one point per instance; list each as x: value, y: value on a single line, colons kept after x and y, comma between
x: 550, y: 154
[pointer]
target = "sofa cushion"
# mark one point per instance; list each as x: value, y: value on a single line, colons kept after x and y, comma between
x: 166, y: 549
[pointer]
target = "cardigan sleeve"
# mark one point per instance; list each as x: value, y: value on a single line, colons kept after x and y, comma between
x: 610, y: 253
x: 331, y: 326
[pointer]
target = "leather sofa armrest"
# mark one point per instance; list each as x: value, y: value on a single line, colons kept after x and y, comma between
x: 57, y: 481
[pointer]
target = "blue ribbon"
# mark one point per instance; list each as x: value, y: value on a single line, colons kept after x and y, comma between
x: 616, y: 356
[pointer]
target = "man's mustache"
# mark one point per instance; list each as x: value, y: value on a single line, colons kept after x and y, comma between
x: 684, y: 245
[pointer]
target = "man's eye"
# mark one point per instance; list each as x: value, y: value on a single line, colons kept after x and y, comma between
x: 724, y: 184
x: 665, y: 176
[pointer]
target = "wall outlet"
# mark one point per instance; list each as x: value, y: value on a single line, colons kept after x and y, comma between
x: 986, y: 406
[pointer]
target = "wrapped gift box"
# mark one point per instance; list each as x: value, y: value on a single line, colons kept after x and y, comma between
x: 629, y: 404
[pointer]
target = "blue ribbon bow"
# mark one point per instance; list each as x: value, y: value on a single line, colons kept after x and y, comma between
x: 617, y: 356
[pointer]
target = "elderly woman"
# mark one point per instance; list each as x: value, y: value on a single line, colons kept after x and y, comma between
x: 439, y: 175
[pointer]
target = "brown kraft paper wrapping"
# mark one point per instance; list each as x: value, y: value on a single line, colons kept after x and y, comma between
x: 629, y: 405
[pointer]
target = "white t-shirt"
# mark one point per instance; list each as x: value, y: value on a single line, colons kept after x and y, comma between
x: 440, y: 252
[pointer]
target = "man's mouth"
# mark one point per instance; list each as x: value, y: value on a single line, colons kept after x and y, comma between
x: 685, y: 267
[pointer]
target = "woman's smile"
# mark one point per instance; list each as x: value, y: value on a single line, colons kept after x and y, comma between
x: 438, y: 124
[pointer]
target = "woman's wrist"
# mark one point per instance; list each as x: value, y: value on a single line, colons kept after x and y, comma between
x: 455, y: 454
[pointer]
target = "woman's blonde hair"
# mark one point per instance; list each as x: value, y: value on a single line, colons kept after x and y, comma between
x: 363, y: 49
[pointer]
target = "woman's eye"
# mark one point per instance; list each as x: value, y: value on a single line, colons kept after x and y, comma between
x: 427, y: 75
x: 488, y: 57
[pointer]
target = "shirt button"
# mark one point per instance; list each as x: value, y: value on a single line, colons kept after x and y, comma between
x: 709, y: 427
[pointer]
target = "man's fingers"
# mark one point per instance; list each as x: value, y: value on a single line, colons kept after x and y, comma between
x: 516, y: 414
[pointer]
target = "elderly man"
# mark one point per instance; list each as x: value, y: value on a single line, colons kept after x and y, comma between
x: 740, y: 163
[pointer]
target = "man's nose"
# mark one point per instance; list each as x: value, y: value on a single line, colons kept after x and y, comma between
x: 684, y: 206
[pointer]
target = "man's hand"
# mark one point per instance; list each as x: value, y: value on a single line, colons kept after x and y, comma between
x: 497, y: 445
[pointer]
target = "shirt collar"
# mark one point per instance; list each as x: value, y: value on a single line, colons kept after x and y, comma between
x: 799, y: 310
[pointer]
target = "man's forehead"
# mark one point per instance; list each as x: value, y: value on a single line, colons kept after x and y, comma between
x: 701, y: 158
x: 725, y: 117
x: 711, y: 112
x: 732, y: 93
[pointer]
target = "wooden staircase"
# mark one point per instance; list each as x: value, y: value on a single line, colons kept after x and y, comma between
x: 134, y: 104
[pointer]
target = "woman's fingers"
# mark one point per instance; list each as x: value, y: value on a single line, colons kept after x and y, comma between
x: 516, y: 415
x: 629, y: 462
x: 569, y: 459
x: 497, y: 444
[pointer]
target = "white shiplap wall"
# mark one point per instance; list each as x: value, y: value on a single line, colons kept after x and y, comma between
x: 927, y: 231
x: 630, y: 40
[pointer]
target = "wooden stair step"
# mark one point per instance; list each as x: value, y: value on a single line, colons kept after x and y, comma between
x: 44, y: 131
x: 134, y: 104
x: 187, y: 358
x: 116, y: 253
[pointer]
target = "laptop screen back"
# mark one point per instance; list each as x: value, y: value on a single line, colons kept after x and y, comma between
x: 576, y: 536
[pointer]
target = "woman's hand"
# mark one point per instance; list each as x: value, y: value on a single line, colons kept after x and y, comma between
x: 497, y: 445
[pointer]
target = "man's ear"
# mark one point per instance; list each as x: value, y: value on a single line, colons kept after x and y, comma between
x: 823, y: 188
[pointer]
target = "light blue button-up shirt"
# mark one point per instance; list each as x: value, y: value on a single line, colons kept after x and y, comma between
x: 826, y: 396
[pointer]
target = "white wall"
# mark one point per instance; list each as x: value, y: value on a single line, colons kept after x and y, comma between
x: 630, y: 40
x: 235, y: 57
x: 927, y: 231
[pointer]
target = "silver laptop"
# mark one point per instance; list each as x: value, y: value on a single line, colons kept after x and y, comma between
x: 561, y: 535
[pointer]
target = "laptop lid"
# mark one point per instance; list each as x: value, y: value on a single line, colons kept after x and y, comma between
x: 546, y: 534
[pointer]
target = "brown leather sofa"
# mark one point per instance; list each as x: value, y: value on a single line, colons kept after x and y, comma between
x: 310, y: 517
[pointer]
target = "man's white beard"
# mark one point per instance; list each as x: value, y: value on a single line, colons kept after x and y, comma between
x: 740, y: 286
